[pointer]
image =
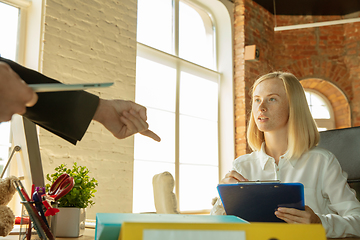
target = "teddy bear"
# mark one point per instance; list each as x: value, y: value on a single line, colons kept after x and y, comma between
x: 7, y: 217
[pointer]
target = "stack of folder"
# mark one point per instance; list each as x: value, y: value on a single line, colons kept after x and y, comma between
x: 128, y: 226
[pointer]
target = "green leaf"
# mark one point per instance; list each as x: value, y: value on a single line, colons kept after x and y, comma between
x: 82, y: 192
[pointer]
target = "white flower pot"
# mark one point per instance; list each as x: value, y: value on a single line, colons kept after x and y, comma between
x: 70, y: 222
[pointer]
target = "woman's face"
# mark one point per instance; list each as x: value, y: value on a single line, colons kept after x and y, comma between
x: 270, y: 105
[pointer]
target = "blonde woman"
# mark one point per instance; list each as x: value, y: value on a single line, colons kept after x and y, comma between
x: 283, y: 136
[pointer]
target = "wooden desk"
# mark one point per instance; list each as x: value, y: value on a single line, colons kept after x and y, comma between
x: 90, y: 235
x: 344, y: 238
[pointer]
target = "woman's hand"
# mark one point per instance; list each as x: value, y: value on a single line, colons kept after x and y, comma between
x: 233, y: 177
x: 292, y: 215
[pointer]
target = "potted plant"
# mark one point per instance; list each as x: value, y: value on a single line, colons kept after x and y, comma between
x: 70, y: 221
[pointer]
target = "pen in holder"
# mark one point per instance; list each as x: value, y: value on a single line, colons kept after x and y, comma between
x: 29, y: 222
x: 37, y: 222
x: 28, y: 230
x: 50, y: 220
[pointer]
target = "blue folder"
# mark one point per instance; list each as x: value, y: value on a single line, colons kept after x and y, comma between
x: 258, y: 201
x: 108, y: 225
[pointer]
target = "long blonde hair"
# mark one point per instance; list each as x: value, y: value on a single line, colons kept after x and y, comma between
x: 302, y: 134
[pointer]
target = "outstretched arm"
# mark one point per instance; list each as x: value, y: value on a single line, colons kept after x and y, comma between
x: 123, y: 118
x: 68, y: 114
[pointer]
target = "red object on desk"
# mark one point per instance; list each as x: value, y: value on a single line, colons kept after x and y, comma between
x: 49, y: 210
x: 26, y: 220
x: 62, y: 185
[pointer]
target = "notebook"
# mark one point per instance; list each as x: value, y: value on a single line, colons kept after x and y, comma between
x: 258, y: 201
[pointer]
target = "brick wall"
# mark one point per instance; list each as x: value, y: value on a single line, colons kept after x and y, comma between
x: 253, y: 26
x: 93, y: 41
x: 324, y: 53
x: 352, y: 61
x: 240, y: 107
x: 326, y: 57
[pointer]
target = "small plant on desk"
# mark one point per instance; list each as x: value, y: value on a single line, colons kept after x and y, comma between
x: 83, y: 191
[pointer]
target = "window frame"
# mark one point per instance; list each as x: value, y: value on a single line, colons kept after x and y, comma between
x: 219, y: 13
x: 31, y: 22
x: 28, y: 54
x: 23, y: 5
x: 324, y: 123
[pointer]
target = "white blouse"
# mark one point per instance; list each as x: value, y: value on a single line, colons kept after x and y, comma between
x: 325, y: 186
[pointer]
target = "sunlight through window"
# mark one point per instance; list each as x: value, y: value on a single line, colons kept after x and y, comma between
x: 9, y: 20
x: 320, y: 109
x: 181, y: 94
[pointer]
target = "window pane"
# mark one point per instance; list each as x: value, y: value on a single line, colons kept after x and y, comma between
x: 156, y: 88
x: 155, y: 24
x: 318, y: 107
x: 316, y: 100
x: 4, y: 143
x: 198, y: 187
x: 196, y: 36
x: 9, y: 17
x: 320, y: 112
x: 198, y: 97
x: 198, y: 141
x: 308, y: 98
x: 143, y: 189
x: 163, y: 124
x: 5, y: 133
x: 155, y: 85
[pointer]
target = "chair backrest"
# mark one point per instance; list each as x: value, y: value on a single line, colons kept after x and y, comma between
x: 345, y: 145
x: 164, y: 197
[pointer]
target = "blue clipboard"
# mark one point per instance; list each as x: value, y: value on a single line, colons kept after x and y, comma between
x: 258, y: 201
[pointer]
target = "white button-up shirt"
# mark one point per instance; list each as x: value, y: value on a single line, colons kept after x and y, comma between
x: 325, y: 186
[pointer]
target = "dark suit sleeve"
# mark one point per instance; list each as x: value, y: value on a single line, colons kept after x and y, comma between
x: 66, y: 114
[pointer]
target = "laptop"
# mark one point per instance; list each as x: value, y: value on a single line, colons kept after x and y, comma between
x: 258, y: 201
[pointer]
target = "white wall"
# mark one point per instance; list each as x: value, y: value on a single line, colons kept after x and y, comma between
x: 93, y: 41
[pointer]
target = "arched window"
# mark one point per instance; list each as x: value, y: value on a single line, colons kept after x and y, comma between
x: 320, y: 109
x: 181, y: 81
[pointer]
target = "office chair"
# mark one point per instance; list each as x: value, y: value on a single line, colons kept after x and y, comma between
x: 345, y: 145
x: 164, y: 197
